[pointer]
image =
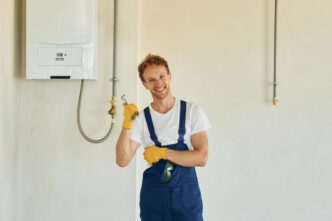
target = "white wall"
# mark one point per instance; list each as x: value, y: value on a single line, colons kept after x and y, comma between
x: 266, y: 162
x: 62, y: 176
x: 9, y: 106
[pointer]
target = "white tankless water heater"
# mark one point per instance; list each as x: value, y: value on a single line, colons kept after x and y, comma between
x: 61, y: 39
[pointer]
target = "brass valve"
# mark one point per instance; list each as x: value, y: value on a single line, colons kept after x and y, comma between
x: 275, y: 100
x: 112, y: 111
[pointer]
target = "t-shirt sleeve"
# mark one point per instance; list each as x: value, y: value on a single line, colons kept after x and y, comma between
x: 199, y: 120
x: 135, y: 133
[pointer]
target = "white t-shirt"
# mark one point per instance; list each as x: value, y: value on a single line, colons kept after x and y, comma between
x: 167, y: 125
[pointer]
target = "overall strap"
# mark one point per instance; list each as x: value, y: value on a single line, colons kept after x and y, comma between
x: 182, y: 123
x: 148, y: 119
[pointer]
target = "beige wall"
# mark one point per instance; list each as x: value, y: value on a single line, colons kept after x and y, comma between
x: 266, y: 162
x: 62, y: 176
x: 9, y: 106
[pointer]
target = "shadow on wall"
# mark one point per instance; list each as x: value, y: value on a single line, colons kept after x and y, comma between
x: 19, y: 33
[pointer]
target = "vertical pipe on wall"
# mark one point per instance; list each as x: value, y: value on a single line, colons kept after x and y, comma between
x: 114, y: 78
x: 275, y: 100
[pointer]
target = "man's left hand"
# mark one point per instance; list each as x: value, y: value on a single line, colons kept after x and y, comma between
x: 153, y: 154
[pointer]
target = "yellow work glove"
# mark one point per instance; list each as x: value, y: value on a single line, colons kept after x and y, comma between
x: 153, y: 154
x: 129, y: 113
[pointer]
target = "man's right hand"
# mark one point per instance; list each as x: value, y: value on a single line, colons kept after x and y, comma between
x: 129, y: 112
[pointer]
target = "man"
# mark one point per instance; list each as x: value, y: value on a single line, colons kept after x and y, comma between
x: 174, y: 135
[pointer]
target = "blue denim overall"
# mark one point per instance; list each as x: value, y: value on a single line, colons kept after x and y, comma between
x: 179, y: 199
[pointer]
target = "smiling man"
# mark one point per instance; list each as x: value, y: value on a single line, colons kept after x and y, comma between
x: 174, y: 135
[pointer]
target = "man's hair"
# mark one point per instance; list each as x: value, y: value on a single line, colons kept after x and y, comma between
x: 149, y: 60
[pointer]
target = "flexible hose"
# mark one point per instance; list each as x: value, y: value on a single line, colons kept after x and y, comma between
x: 114, y: 80
x: 79, y: 121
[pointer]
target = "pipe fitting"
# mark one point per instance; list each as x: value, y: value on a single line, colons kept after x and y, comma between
x: 112, y: 111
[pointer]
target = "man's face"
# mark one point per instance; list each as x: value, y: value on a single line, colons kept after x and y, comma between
x: 157, y: 81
